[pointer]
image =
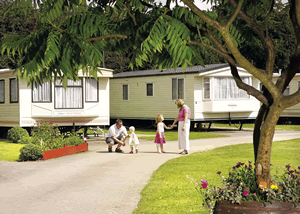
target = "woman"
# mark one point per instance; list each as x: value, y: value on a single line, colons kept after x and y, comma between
x: 183, y: 126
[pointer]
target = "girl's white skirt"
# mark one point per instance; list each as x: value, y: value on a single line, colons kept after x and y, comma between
x: 183, y: 136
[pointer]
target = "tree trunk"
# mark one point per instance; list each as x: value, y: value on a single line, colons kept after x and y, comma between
x: 266, y: 133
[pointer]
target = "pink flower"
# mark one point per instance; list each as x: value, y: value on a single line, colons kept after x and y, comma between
x: 288, y: 166
x: 291, y: 171
x: 246, y: 193
x: 232, y: 186
x: 204, y: 185
x: 233, y: 168
x: 298, y: 182
x: 219, y: 172
x: 204, y: 181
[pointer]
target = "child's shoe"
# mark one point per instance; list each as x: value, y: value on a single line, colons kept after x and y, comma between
x: 163, y: 151
x: 131, y: 152
x: 137, y: 151
x: 159, y: 152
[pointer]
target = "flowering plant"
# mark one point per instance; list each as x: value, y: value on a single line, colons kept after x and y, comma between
x: 240, y: 186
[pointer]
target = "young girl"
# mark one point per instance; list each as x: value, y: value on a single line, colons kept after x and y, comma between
x: 133, y: 140
x: 160, y: 137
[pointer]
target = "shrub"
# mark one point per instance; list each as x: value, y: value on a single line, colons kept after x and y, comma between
x: 73, y: 141
x: 25, y: 140
x: 30, y: 152
x: 16, y: 133
x: 50, y: 135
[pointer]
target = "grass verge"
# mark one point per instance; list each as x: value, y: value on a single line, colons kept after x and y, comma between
x: 251, y: 126
x: 169, y: 190
x: 9, y: 151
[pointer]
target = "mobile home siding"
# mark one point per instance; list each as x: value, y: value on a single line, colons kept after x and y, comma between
x: 9, y: 112
x: 141, y: 106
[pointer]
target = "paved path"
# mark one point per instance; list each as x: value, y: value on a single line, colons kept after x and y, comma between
x: 95, y: 181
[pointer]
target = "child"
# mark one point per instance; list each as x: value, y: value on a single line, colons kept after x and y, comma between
x: 133, y: 140
x: 160, y: 137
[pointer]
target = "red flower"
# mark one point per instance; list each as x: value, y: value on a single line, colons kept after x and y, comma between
x: 204, y: 185
x: 219, y: 172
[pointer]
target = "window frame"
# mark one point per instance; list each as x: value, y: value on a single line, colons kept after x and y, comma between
x: 33, y: 83
x: 3, y: 80
x: 177, y: 94
x: 11, y: 79
x: 72, y: 86
x: 127, y: 92
x: 147, y: 89
x: 86, y: 91
x: 209, y: 84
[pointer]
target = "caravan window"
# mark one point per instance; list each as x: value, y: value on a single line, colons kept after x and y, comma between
x: 14, y: 90
x: 2, y: 91
x: 226, y: 88
x: 177, y: 88
x: 41, y: 92
x: 91, y: 90
x: 125, y: 92
x: 71, y: 97
x: 149, y: 89
x: 206, y: 85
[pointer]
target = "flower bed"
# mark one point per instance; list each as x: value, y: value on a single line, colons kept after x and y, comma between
x: 66, y: 150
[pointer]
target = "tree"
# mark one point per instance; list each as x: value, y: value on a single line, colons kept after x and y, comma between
x: 14, y: 23
x: 73, y: 35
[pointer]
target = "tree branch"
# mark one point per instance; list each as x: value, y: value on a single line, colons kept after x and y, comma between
x: 106, y: 37
x: 202, y: 15
x: 129, y: 12
x: 267, y: 40
x: 236, y: 12
x: 249, y: 89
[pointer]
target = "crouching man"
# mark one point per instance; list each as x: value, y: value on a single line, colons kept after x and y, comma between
x: 117, y: 134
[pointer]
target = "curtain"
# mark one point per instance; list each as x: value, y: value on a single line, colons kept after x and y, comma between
x: 91, y: 90
x: 180, y: 88
x: 206, y: 88
x: 174, y: 89
x: 242, y: 93
x: 13, y: 90
x: 41, y: 92
x: 71, y: 97
x: 2, y: 91
x: 220, y: 88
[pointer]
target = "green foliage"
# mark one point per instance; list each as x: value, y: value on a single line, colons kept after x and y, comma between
x: 16, y: 133
x: 31, y: 152
x: 49, y: 134
x: 73, y: 140
x: 25, y: 140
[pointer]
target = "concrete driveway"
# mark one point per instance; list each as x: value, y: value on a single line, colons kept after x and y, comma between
x: 95, y: 181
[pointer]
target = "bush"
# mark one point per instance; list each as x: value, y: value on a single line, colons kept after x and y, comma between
x: 30, y: 152
x: 16, y: 133
x: 73, y: 141
x: 25, y: 140
x: 50, y: 135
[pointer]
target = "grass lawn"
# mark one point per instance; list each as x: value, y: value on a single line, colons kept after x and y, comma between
x: 169, y: 135
x: 169, y: 190
x: 251, y: 126
x: 9, y: 151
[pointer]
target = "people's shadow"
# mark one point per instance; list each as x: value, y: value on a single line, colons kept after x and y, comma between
x: 143, y: 152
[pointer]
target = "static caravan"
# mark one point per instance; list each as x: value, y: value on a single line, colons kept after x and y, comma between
x: 84, y: 102
x: 292, y: 114
x: 210, y: 92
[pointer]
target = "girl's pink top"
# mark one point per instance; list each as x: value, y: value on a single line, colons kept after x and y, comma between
x: 186, y: 109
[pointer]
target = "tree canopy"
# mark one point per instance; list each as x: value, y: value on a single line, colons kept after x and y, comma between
x: 73, y: 34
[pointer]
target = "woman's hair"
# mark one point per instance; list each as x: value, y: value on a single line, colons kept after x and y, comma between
x: 131, y: 128
x: 179, y: 103
x: 158, y: 118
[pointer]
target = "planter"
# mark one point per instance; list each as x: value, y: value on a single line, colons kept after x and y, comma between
x: 256, y: 208
x: 55, y: 153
